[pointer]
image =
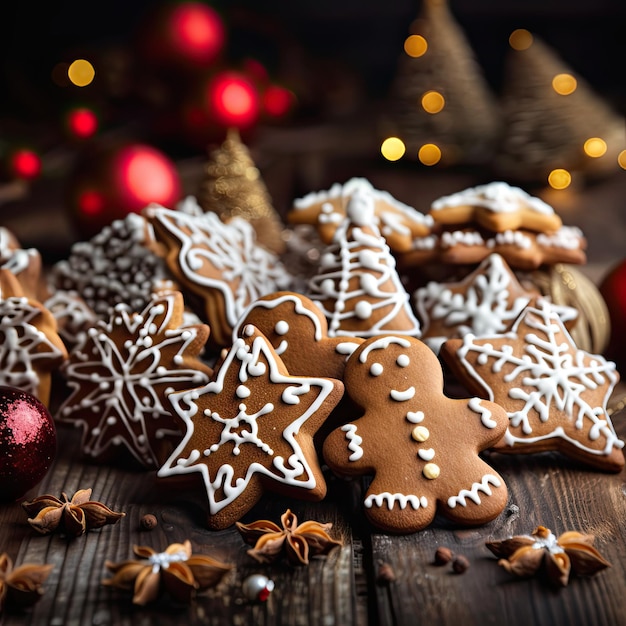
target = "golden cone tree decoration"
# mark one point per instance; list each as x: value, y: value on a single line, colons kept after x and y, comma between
x: 439, y: 94
x: 549, y: 114
x: 233, y: 186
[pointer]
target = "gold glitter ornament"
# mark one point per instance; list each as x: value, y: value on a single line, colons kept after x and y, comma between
x: 567, y: 286
x: 233, y: 187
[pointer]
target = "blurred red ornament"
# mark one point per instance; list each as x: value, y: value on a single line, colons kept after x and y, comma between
x: 25, y: 163
x: 28, y: 442
x: 277, y: 101
x: 82, y: 122
x: 613, y: 290
x: 186, y: 33
x: 233, y: 100
x: 110, y: 184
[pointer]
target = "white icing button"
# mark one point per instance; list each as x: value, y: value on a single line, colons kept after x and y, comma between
x: 403, y: 360
x: 281, y: 328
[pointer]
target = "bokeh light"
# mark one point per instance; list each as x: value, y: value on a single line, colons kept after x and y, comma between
x: 595, y: 147
x: 82, y: 122
x: 415, y: 46
x: 81, y: 73
x: 429, y: 154
x: 393, y: 148
x: 91, y: 203
x: 520, y: 39
x: 278, y: 101
x: 621, y: 159
x: 233, y: 100
x: 433, y: 102
x: 559, y: 179
x: 25, y: 163
x: 197, y: 31
x: 564, y: 84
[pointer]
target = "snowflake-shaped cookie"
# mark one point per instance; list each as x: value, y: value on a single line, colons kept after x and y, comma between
x: 120, y: 375
x: 398, y: 223
x: 30, y: 347
x: 251, y: 429
x: 421, y: 446
x: 219, y: 262
x: 486, y: 301
x: 554, y: 393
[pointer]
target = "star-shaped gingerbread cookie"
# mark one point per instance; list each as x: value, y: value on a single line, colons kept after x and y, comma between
x: 397, y: 222
x: 486, y: 301
x: 421, y: 446
x: 496, y: 206
x: 250, y: 429
x: 554, y: 393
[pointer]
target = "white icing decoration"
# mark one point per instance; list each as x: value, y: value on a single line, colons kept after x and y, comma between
x: 391, y: 499
x: 402, y: 396
x: 228, y: 249
x: 221, y: 486
x: 403, y: 360
x: 473, y: 493
x: 376, y: 369
x: 498, y: 197
x: 415, y: 417
x: 426, y: 454
x: 557, y: 375
x: 484, y: 309
x: 124, y: 383
x: 162, y: 560
x: 354, y: 442
x: 282, y: 327
x: 485, y: 414
x: 349, y: 292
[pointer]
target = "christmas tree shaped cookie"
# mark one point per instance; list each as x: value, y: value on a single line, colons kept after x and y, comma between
x: 357, y: 285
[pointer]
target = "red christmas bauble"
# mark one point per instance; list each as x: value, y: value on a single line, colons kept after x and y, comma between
x: 110, y: 183
x: 613, y: 290
x: 28, y: 442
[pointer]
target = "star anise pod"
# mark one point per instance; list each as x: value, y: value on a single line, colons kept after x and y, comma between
x: 175, y: 571
x: 21, y: 586
x: 297, y: 542
x: 73, y: 518
x: 526, y: 555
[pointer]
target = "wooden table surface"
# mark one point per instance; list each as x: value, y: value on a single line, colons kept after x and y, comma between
x: 343, y: 588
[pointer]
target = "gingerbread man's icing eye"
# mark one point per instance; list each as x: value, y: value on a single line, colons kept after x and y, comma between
x: 403, y: 360
x: 376, y: 369
x: 281, y: 328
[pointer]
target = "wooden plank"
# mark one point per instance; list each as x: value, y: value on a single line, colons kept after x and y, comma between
x: 544, y: 490
x: 321, y: 593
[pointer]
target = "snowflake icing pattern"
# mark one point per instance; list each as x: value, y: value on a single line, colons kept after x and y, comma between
x: 561, y: 391
x: 121, y: 373
x: 239, y: 429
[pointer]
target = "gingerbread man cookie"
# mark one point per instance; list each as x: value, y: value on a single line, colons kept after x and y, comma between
x: 250, y: 429
x: 421, y: 446
x: 298, y: 331
x: 555, y: 394
x: 496, y: 206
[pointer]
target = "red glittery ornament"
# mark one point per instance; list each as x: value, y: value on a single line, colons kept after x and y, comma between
x: 28, y: 442
x: 613, y: 290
